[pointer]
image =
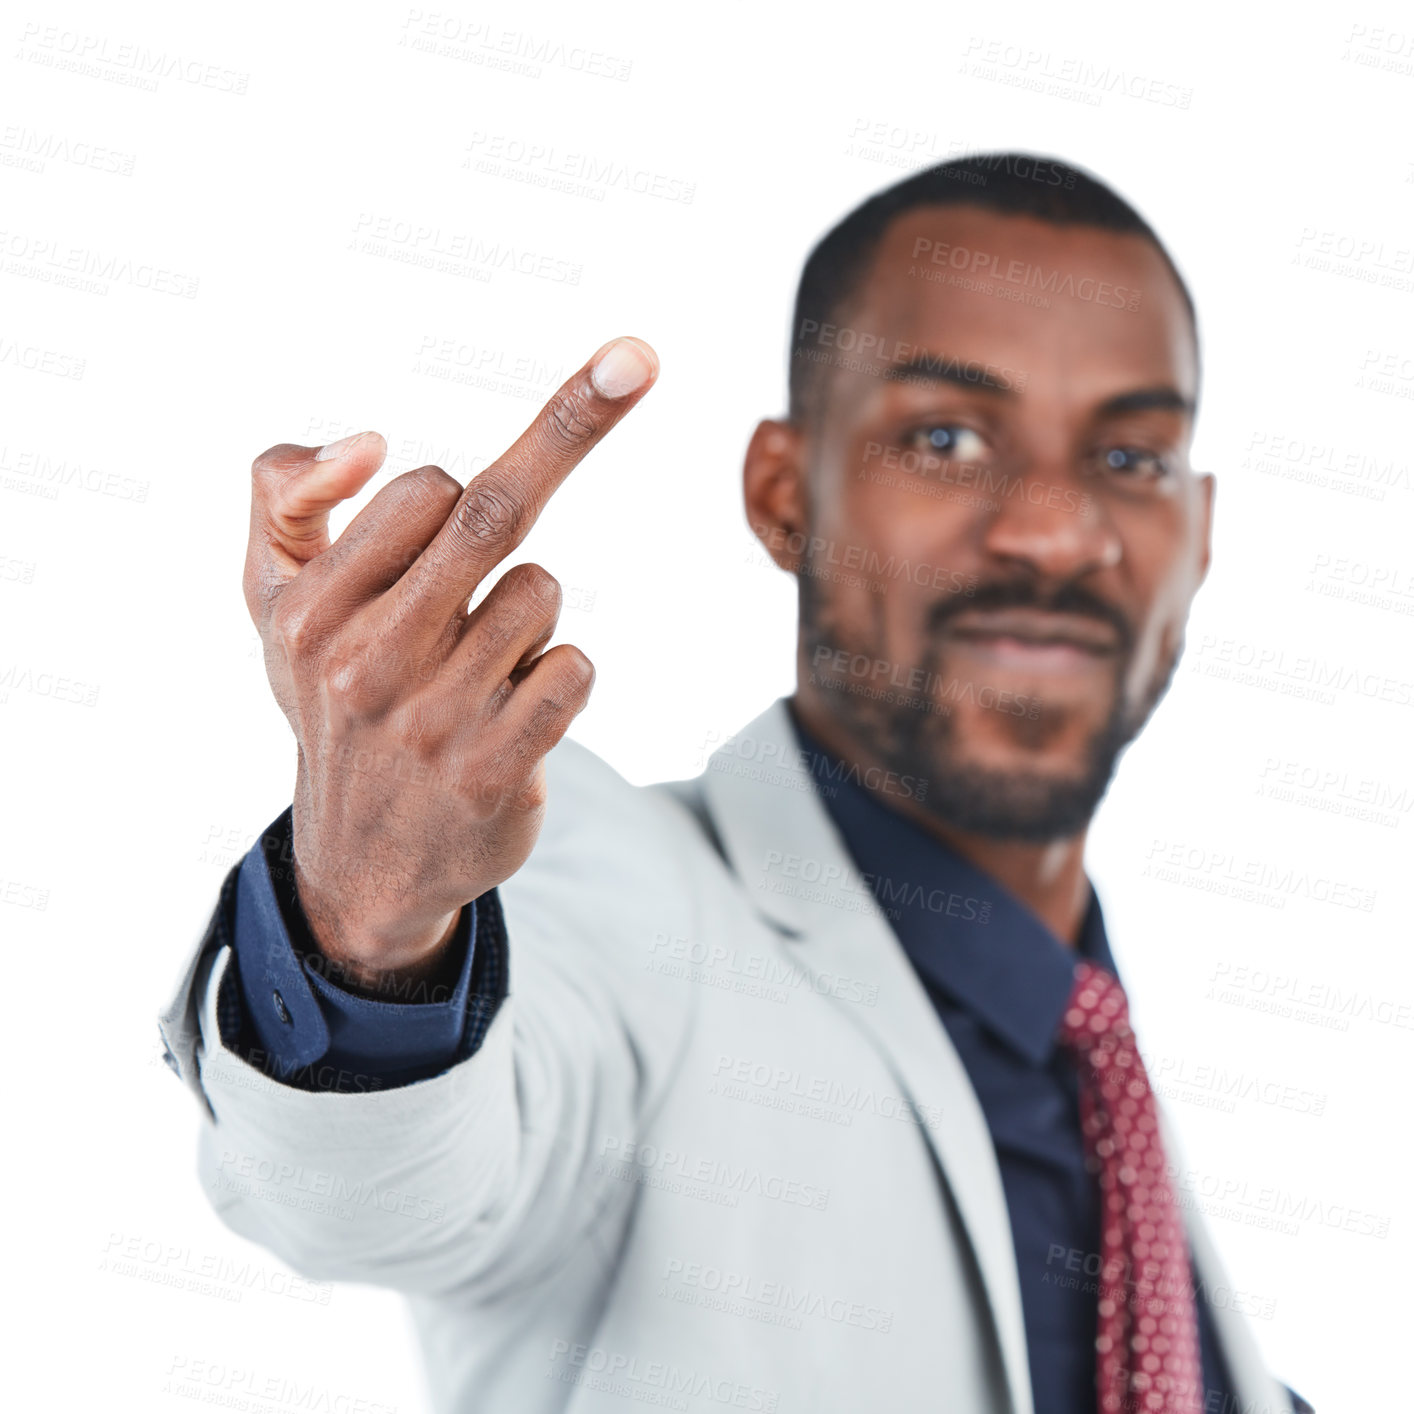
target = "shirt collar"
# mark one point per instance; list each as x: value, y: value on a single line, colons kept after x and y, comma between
x: 963, y: 931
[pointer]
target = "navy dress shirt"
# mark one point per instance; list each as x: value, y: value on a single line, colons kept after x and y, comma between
x: 999, y: 987
x: 1000, y: 981
x: 280, y: 1011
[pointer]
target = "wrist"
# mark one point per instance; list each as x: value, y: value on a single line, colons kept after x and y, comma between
x: 365, y: 954
x: 370, y: 967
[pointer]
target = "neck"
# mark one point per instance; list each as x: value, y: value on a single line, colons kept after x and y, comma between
x: 1049, y: 878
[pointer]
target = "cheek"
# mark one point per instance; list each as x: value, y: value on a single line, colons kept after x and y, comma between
x: 1160, y: 636
x: 1165, y: 545
x: 885, y: 563
x: 872, y: 612
x: 878, y: 511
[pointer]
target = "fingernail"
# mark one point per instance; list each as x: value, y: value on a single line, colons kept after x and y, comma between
x: 623, y: 366
x: 337, y: 449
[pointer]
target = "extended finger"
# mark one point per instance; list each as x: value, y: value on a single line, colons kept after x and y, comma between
x: 499, y: 506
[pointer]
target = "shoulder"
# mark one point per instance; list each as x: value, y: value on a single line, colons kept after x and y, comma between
x: 605, y: 823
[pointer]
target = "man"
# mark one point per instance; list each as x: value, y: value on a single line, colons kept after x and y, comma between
x: 807, y: 1084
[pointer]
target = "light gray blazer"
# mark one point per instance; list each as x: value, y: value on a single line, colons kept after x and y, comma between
x: 716, y: 1151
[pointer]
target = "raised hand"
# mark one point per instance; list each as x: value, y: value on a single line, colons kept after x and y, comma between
x: 422, y: 729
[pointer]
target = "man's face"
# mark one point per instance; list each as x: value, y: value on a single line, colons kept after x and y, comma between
x: 1002, y: 533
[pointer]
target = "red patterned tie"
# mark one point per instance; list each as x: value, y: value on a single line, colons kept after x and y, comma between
x: 1147, y: 1344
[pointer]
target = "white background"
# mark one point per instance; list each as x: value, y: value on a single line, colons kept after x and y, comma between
x: 144, y: 753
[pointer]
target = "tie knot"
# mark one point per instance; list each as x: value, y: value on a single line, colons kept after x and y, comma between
x: 1098, y: 1011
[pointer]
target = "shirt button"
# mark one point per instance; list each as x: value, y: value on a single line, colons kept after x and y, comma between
x: 281, y: 1009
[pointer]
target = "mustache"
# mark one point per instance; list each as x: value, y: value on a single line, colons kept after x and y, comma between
x: 1019, y: 594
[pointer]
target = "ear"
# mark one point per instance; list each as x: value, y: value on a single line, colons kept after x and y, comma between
x: 773, y: 483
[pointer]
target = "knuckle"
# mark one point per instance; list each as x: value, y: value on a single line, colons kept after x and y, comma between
x: 348, y: 684
x: 272, y: 465
x: 479, y: 790
x: 577, y: 672
x: 569, y: 417
x: 533, y: 794
x: 429, y: 486
x: 419, y: 730
x: 566, y: 689
x: 488, y: 513
x: 292, y: 622
x: 537, y: 585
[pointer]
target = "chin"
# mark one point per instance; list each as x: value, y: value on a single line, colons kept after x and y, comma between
x: 1026, y: 806
x: 1028, y: 736
x: 1021, y: 779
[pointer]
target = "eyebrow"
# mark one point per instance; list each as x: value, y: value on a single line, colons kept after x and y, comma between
x: 970, y: 373
x: 1163, y: 399
x: 942, y: 368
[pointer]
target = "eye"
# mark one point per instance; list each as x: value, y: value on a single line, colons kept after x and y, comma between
x: 951, y: 441
x: 1133, y: 463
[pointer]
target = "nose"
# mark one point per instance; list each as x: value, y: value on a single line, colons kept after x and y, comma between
x: 1048, y: 521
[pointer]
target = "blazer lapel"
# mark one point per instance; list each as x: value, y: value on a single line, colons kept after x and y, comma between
x: 791, y: 861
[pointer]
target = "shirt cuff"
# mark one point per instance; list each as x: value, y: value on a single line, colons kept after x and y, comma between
x: 298, y: 1026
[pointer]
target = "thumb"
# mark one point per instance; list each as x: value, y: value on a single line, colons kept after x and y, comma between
x: 293, y: 489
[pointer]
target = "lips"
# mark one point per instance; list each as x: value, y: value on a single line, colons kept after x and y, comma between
x: 1032, y: 641
x: 1034, y: 629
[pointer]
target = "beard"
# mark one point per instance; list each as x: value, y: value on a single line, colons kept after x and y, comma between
x: 914, y: 735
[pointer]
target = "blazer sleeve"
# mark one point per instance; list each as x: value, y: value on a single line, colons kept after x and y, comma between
x: 487, y: 1176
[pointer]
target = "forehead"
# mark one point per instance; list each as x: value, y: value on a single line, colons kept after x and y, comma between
x: 1088, y: 310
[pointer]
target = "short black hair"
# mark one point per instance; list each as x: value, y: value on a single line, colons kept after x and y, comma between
x: 1010, y: 183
